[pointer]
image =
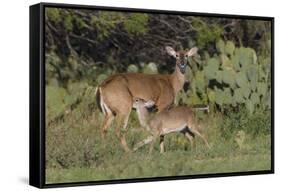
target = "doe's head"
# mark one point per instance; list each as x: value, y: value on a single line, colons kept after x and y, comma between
x: 181, y: 56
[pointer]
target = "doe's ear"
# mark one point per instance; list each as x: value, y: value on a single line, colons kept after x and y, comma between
x: 192, y: 51
x: 170, y: 51
x: 149, y: 103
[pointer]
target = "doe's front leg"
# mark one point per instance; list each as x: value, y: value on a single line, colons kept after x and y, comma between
x: 121, y: 131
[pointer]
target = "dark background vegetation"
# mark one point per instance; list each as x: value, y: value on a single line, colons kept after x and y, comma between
x: 231, y: 73
x: 83, y: 40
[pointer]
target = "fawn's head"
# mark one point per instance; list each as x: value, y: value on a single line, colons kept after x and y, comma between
x: 181, y: 56
x: 139, y: 103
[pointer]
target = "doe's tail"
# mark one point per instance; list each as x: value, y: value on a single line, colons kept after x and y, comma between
x: 103, y: 107
x: 97, y: 92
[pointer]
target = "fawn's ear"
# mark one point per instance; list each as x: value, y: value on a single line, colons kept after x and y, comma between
x: 149, y: 103
x: 171, y: 51
x: 192, y: 51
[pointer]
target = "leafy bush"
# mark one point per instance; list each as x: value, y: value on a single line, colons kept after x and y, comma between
x: 254, y: 125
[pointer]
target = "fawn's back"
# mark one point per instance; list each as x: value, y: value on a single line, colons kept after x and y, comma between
x: 173, y: 120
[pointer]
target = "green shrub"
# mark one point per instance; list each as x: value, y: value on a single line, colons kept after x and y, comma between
x: 254, y: 125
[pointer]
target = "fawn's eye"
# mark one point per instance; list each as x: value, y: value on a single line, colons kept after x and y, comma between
x: 177, y: 55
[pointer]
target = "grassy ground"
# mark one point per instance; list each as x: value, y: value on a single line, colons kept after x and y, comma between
x: 75, y: 151
x: 171, y: 163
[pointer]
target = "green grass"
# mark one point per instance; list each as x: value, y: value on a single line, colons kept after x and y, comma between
x: 76, y: 152
x: 172, y: 163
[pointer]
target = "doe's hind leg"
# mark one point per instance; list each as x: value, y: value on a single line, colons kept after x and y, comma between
x: 108, y: 117
x: 121, y: 130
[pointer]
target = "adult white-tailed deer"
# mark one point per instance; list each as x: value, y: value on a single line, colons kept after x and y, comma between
x: 115, y: 94
x: 176, y: 119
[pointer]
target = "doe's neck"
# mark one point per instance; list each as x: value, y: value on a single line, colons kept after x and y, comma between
x: 177, y: 79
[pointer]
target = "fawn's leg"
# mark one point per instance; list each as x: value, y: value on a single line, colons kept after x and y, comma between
x: 143, y: 142
x: 152, y: 144
x: 162, y: 149
x: 201, y: 136
x: 190, y: 138
x: 188, y: 134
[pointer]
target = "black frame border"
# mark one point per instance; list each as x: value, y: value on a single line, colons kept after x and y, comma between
x: 37, y: 176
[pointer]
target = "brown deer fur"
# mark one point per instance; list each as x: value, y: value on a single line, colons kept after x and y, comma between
x: 115, y: 94
x: 176, y: 119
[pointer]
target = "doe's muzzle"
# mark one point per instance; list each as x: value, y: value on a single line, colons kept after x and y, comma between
x: 182, y: 68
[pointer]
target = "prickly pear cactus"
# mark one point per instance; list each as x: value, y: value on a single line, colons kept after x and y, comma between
x: 233, y: 77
